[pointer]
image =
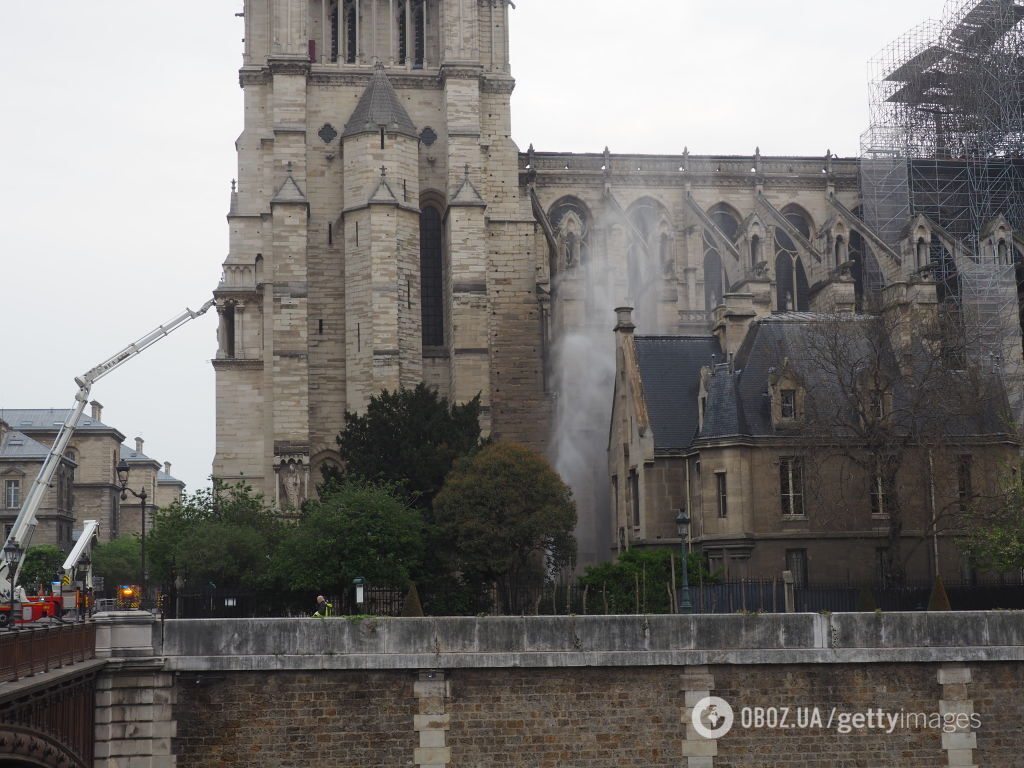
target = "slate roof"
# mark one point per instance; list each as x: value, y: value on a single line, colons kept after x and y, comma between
x: 130, y: 454
x: 48, y: 419
x: 738, y: 402
x: 670, y: 372
x: 379, y: 105
x: 163, y: 477
x: 17, y: 445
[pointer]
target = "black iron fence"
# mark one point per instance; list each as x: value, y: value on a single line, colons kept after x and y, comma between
x: 746, y: 595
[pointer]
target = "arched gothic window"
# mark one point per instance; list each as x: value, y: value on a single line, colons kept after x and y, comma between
x: 402, y: 26
x: 351, y: 36
x: 335, y: 38
x: 665, y: 255
x: 726, y: 219
x: 419, y: 33
x: 755, y: 252
x: 840, y: 250
x: 1002, y: 253
x: 570, y: 220
x: 790, y: 283
x: 799, y: 219
x: 713, y: 283
x: 431, y: 276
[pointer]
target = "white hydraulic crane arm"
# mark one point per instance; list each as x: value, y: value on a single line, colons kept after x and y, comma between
x: 25, y: 523
x: 82, y: 547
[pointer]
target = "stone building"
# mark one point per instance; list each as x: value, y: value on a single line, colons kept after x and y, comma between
x: 385, y: 229
x: 738, y: 429
x: 88, y: 469
x: 20, y: 460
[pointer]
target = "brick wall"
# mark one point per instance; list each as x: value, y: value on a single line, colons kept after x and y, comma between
x: 285, y: 720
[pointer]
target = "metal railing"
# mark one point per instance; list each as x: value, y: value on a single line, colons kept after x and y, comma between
x: 29, y: 651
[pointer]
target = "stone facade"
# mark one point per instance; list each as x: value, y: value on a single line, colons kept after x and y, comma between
x: 320, y: 300
x: 385, y: 229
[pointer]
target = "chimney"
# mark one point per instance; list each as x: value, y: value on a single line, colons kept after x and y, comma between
x: 138, y: 445
x: 624, y: 320
x: 167, y: 467
x: 97, y: 410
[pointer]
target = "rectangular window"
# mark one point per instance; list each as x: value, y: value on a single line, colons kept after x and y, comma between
x: 791, y: 485
x: 723, y: 501
x: 877, y: 405
x: 965, y: 490
x: 12, y: 494
x: 634, y: 492
x: 796, y: 563
x: 788, y: 403
x: 881, y: 491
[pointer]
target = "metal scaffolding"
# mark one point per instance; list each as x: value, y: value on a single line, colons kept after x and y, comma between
x: 947, y: 141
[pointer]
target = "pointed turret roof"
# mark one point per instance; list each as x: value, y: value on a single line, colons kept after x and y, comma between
x: 379, y: 105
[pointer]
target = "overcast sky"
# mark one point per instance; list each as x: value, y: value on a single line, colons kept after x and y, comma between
x: 117, y: 131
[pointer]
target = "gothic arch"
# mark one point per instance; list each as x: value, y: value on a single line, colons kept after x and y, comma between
x: 727, y: 219
x: 571, y: 220
x: 714, y: 281
x: 798, y: 216
x: 432, y: 268
x: 649, y: 220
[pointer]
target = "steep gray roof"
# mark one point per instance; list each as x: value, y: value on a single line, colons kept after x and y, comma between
x: 17, y: 445
x: 130, y: 454
x: 379, y: 105
x: 48, y: 418
x: 670, y: 372
x: 163, y: 477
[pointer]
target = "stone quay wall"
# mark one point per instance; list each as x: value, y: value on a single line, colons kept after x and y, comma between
x: 929, y: 689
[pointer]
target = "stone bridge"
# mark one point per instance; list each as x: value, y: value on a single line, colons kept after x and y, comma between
x: 808, y: 690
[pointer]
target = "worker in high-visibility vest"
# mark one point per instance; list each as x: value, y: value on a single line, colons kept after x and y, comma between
x: 323, y: 608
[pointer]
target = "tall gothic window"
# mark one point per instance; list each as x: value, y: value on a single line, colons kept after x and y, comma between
x: 335, y: 37
x: 419, y: 33
x: 351, y: 38
x: 431, y: 279
x: 790, y: 277
x: 403, y: 36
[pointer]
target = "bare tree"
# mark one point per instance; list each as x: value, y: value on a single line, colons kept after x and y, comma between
x: 882, y: 396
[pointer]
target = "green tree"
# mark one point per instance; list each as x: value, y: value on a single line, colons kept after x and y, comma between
x: 640, y: 581
x: 352, y: 530
x: 118, y: 561
x: 410, y: 439
x: 505, y: 517
x: 42, y: 565
x: 994, y: 538
x: 224, y: 535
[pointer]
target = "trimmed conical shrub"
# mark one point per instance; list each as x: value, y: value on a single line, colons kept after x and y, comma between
x: 412, y: 605
x: 939, y: 600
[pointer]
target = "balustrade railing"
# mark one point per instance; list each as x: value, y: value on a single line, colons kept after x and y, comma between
x: 29, y: 651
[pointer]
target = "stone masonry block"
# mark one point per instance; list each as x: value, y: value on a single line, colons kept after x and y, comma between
x: 429, y: 739
x: 960, y: 740
x: 961, y: 758
x: 424, y: 756
x: 690, y: 698
x: 700, y: 761
x: 431, y: 722
x: 692, y: 682
x: 700, y: 748
x: 954, y: 674
x: 956, y: 706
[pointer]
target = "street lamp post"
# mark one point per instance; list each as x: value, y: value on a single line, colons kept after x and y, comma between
x: 12, y: 554
x: 122, y: 477
x: 682, y: 523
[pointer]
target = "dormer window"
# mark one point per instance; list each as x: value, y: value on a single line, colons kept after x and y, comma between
x: 787, y: 403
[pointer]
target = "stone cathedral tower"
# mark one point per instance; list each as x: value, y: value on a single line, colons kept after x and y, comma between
x: 378, y: 232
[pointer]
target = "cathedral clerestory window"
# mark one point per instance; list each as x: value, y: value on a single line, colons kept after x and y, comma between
x: 431, y: 277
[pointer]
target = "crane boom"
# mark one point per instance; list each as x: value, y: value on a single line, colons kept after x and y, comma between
x: 25, y: 524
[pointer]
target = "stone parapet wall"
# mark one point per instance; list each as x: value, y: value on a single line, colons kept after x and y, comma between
x: 578, y: 641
